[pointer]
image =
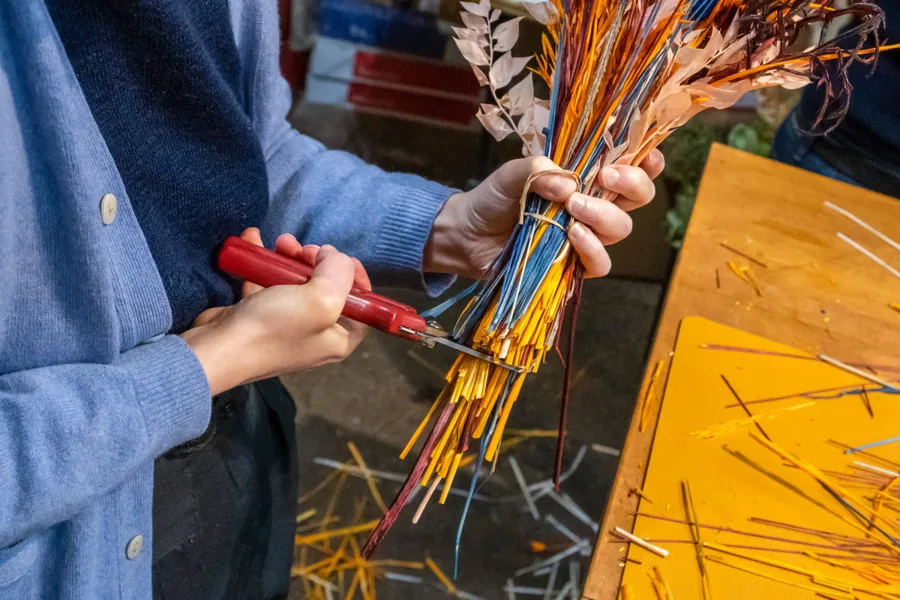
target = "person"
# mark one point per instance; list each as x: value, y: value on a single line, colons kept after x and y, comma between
x: 146, y: 449
x: 862, y: 149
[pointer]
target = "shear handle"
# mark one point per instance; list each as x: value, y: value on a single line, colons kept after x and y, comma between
x: 266, y: 268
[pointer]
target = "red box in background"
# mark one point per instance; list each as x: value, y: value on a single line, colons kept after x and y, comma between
x: 402, y: 103
x: 294, y: 63
x: 389, y: 83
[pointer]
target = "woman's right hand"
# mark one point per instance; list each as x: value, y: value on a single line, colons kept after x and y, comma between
x: 281, y: 329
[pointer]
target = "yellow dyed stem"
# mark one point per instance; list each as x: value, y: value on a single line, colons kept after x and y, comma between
x: 399, y: 564
x: 501, y: 424
x: 448, y: 484
x: 421, y: 427
x: 301, y: 570
x: 813, y: 472
x: 332, y: 502
x: 353, y: 585
x: 445, y: 581
x: 437, y: 453
x: 813, y: 575
x: 533, y: 433
x: 691, y: 514
x: 301, y: 540
x: 320, y: 486
x: 649, y: 397
x: 306, y: 515
x: 370, y: 481
x: 722, y: 561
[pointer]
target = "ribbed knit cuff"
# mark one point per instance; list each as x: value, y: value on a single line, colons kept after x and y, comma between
x: 172, y: 389
x: 404, y: 234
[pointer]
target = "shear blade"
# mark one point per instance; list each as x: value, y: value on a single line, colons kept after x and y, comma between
x: 441, y: 338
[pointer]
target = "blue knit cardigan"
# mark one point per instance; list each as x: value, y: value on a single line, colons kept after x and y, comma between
x: 92, y: 387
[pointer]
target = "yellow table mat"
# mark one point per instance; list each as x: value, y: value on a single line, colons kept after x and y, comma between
x: 734, y: 478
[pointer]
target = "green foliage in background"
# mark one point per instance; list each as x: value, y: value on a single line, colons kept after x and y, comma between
x: 686, y: 151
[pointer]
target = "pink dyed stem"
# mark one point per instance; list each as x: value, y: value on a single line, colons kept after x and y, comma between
x: 567, y: 377
x: 415, y: 476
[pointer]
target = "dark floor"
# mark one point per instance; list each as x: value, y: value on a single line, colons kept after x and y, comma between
x: 377, y: 397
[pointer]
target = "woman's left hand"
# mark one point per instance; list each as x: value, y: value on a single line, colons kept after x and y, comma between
x: 472, y: 227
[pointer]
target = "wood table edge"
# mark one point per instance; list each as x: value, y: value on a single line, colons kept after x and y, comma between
x: 621, y: 505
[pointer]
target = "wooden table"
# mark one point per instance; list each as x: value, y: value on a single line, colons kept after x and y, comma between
x: 818, y: 293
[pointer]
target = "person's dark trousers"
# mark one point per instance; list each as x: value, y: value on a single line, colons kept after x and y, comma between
x: 224, y: 506
x: 850, y: 154
x: 795, y: 147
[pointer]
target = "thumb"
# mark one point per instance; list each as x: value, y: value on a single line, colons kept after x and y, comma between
x: 209, y: 315
x: 331, y: 281
x: 252, y: 235
x: 510, y: 179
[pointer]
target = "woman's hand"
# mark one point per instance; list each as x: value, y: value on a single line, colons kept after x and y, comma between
x: 472, y: 228
x: 281, y: 329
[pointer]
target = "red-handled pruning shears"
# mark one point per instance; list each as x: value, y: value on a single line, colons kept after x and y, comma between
x: 266, y: 268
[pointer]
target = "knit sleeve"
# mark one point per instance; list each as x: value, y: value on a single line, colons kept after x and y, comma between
x: 71, y: 433
x: 330, y: 197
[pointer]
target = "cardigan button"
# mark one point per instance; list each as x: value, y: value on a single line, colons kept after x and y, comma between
x: 134, y: 547
x: 109, y: 206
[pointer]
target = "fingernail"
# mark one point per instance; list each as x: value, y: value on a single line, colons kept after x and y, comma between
x: 577, y: 205
x: 576, y: 230
x: 323, y: 252
x: 564, y: 185
x: 610, y: 177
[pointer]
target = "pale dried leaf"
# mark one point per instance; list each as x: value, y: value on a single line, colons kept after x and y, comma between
x: 607, y: 139
x: 687, y: 55
x: 472, y: 52
x: 542, y: 12
x: 532, y: 147
x: 588, y: 181
x: 692, y: 36
x: 766, y: 53
x: 673, y: 107
x: 665, y: 10
x: 721, y: 96
x: 493, y: 122
x: 476, y: 9
x: 532, y: 142
x: 526, y: 122
x: 521, y: 95
x: 734, y: 54
x: 480, y: 76
x: 506, y: 34
x: 636, y: 131
x: 715, y: 42
x: 474, y: 22
x: 732, y: 31
x: 495, y: 14
x: 464, y: 33
x: 541, y: 118
x: 505, y: 68
x: 789, y: 81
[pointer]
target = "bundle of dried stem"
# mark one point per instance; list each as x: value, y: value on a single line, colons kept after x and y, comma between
x: 623, y: 75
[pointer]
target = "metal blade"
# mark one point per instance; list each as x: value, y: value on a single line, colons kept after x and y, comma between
x: 430, y: 339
